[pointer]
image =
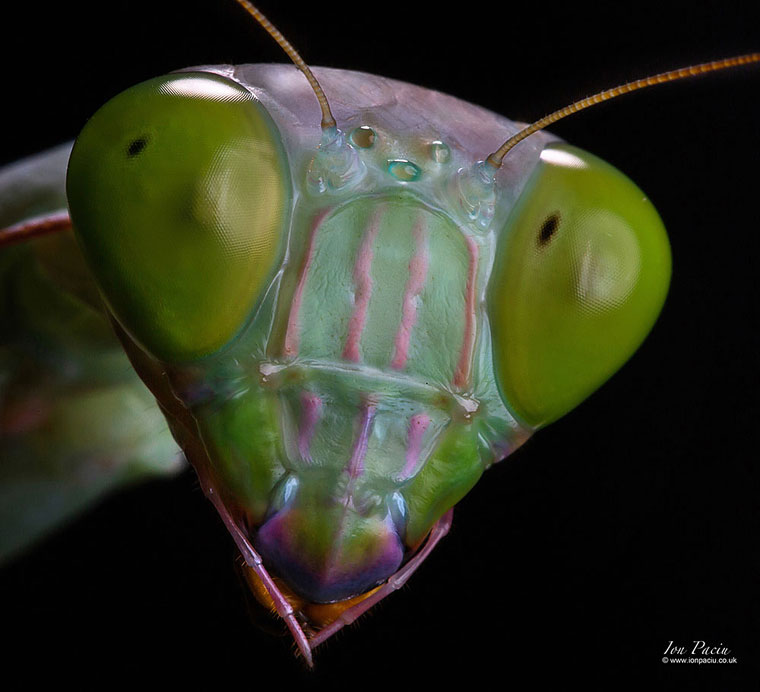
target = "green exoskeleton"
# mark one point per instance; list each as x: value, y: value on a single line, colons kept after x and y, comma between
x: 345, y: 327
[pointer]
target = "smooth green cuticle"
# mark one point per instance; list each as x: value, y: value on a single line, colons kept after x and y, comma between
x: 449, y: 474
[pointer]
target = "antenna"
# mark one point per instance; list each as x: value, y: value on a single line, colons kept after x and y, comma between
x: 336, y: 165
x: 328, y: 121
x: 497, y: 157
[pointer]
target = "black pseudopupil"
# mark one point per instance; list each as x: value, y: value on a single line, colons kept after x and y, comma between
x: 136, y: 146
x: 548, y: 229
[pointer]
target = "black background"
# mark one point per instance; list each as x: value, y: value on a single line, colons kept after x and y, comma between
x: 630, y: 523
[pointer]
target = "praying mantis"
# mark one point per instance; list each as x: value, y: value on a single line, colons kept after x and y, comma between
x: 642, y: 384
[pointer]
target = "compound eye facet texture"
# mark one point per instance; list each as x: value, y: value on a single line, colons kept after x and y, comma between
x: 581, y: 273
x: 179, y: 192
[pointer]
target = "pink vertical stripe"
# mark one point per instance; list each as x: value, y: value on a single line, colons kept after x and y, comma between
x: 464, y: 366
x: 417, y: 426
x: 363, y: 280
x: 418, y: 266
x: 311, y: 411
x: 293, y: 332
x: 356, y: 465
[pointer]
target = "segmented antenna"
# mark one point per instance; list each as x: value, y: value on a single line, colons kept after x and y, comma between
x: 497, y: 157
x: 328, y: 121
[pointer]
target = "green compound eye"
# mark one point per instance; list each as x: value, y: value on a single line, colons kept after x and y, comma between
x: 582, y: 271
x: 178, y: 189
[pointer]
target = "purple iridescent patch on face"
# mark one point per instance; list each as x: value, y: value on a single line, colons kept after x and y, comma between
x: 330, y: 553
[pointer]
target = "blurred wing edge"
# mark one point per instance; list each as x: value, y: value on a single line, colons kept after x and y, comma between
x: 76, y: 422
